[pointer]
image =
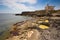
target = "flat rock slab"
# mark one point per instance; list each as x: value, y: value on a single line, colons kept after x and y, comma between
x: 34, y: 35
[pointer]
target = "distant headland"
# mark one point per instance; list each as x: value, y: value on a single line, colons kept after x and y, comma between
x: 48, y: 11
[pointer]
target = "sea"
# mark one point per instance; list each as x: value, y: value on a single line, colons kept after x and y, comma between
x: 7, y: 20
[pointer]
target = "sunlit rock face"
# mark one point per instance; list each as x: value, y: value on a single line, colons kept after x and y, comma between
x: 33, y: 35
x: 35, y: 30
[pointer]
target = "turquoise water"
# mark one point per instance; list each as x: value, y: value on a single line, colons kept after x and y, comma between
x: 6, y: 20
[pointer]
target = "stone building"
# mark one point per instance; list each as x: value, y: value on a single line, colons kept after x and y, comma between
x: 49, y: 8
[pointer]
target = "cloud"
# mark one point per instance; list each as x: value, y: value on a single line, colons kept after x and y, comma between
x: 19, y: 7
x: 29, y: 1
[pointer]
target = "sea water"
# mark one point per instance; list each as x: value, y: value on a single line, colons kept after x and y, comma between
x: 6, y: 20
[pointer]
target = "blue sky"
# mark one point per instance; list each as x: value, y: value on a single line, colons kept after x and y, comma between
x: 17, y: 6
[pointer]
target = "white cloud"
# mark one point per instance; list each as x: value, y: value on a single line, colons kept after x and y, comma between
x: 29, y: 1
x: 18, y: 6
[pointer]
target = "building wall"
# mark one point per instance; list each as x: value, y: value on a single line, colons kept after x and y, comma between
x: 49, y: 8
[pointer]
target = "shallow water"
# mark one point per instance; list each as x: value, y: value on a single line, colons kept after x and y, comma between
x: 6, y: 20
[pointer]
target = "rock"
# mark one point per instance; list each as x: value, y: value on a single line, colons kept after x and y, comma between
x: 43, y: 27
x: 14, y: 38
x: 34, y: 35
x: 32, y: 30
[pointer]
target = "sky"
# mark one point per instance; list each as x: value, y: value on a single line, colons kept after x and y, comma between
x: 18, y: 6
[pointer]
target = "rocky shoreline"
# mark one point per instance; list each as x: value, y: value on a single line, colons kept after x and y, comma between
x: 31, y: 30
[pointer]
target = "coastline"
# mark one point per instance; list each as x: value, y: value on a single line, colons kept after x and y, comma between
x: 25, y: 29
